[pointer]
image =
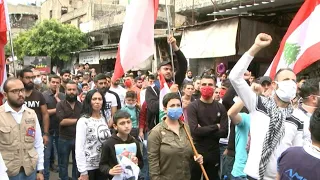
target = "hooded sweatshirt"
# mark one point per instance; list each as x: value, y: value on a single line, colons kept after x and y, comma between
x: 108, y: 154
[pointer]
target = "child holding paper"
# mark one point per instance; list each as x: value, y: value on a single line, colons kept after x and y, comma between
x: 120, y: 144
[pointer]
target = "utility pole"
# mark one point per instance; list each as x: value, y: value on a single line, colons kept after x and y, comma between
x: 192, y: 12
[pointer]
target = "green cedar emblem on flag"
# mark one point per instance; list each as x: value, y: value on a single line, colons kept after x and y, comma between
x: 291, y: 51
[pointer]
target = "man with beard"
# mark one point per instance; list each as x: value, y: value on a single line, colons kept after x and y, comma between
x: 115, y: 87
x: 113, y: 92
x: 189, y: 78
x: 165, y: 69
x: 35, y: 100
x: 272, y: 127
x: 52, y: 97
x: 310, y: 95
x: 68, y: 112
x: 111, y: 101
x: 196, y: 84
x: 21, y: 141
x: 65, y: 77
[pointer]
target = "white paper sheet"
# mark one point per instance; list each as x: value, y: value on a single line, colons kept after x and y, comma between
x: 130, y: 170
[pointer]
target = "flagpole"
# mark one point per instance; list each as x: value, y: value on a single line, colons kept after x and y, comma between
x: 12, y: 53
x: 188, y: 134
x: 170, y: 45
x: 10, y: 34
x: 195, y: 152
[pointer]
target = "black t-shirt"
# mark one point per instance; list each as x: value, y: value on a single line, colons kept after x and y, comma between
x: 203, y: 119
x: 35, y: 101
x: 51, y: 104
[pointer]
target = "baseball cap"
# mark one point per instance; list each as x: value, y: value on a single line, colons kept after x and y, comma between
x: 163, y: 63
x: 265, y: 79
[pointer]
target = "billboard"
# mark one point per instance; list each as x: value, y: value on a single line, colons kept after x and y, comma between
x: 41, y: 63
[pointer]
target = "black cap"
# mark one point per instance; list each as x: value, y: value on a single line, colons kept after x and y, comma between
x: 265, y: 79
x: 163, y: 63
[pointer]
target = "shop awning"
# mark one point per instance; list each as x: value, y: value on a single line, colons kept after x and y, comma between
x: 229, y: 37
x: 216, y: 40
x: 105, y: 55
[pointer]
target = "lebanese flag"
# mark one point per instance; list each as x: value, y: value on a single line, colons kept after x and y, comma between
x: 4, y: 27
x: 300, y: 47
x: 164, y: 89
x: 137, y: 37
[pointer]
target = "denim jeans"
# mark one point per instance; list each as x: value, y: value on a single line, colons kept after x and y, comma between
x: 227, y: 166
x: 145, y: 170
x: 238, y: 178
x: 23, y: 176
x: 65, y: 147
x: 222, y: 148
x: 52, y: 144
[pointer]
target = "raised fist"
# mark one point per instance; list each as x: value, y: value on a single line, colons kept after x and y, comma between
x: 263, y: 40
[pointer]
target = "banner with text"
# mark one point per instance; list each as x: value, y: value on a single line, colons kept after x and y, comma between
x: 41, y: 63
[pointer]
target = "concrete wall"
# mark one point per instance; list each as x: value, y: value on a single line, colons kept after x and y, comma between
x: 23, y: 17
x: 24, y: 9
x: 84, y: 12
x: 55, y: 7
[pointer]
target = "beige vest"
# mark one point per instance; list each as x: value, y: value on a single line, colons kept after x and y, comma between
x: 16, y: 147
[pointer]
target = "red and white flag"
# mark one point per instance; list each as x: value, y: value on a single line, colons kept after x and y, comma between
x: 300, y: 47
x: 164, y: 89
x: 137, y: 37
x: 4, y: 27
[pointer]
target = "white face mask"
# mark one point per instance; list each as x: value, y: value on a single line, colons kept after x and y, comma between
x: 131, y: 105
x: 37, y: 81
x: 287, y: 90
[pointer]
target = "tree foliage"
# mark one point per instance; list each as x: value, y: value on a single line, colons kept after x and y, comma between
x: 50, y: 38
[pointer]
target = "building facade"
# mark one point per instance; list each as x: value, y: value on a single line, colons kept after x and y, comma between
x: 23, y: 17
x: 103, y: 20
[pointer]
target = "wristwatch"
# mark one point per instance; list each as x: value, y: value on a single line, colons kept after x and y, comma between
x: 40, y: 172
x: 46, y: 134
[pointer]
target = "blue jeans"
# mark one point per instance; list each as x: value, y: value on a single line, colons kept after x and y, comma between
x: 227, y: 166
x: 222, y: 148
x: 145, y: 169
x: 52, y: 144
x: 23, y: 176
x: 65, y: 147
x: 238, y: 178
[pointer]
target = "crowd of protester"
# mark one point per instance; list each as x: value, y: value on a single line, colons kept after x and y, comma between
x: 243, y: 127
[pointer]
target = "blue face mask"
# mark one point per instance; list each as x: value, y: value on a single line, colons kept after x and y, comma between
x: 174, y: 113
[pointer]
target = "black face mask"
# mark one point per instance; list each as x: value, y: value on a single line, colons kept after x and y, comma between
x: 28, y: 86
x: 71, y: 97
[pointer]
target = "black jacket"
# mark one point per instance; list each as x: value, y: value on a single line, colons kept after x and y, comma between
x: 108, y: 153
x: 152, y: 93
x: 228, y: 103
